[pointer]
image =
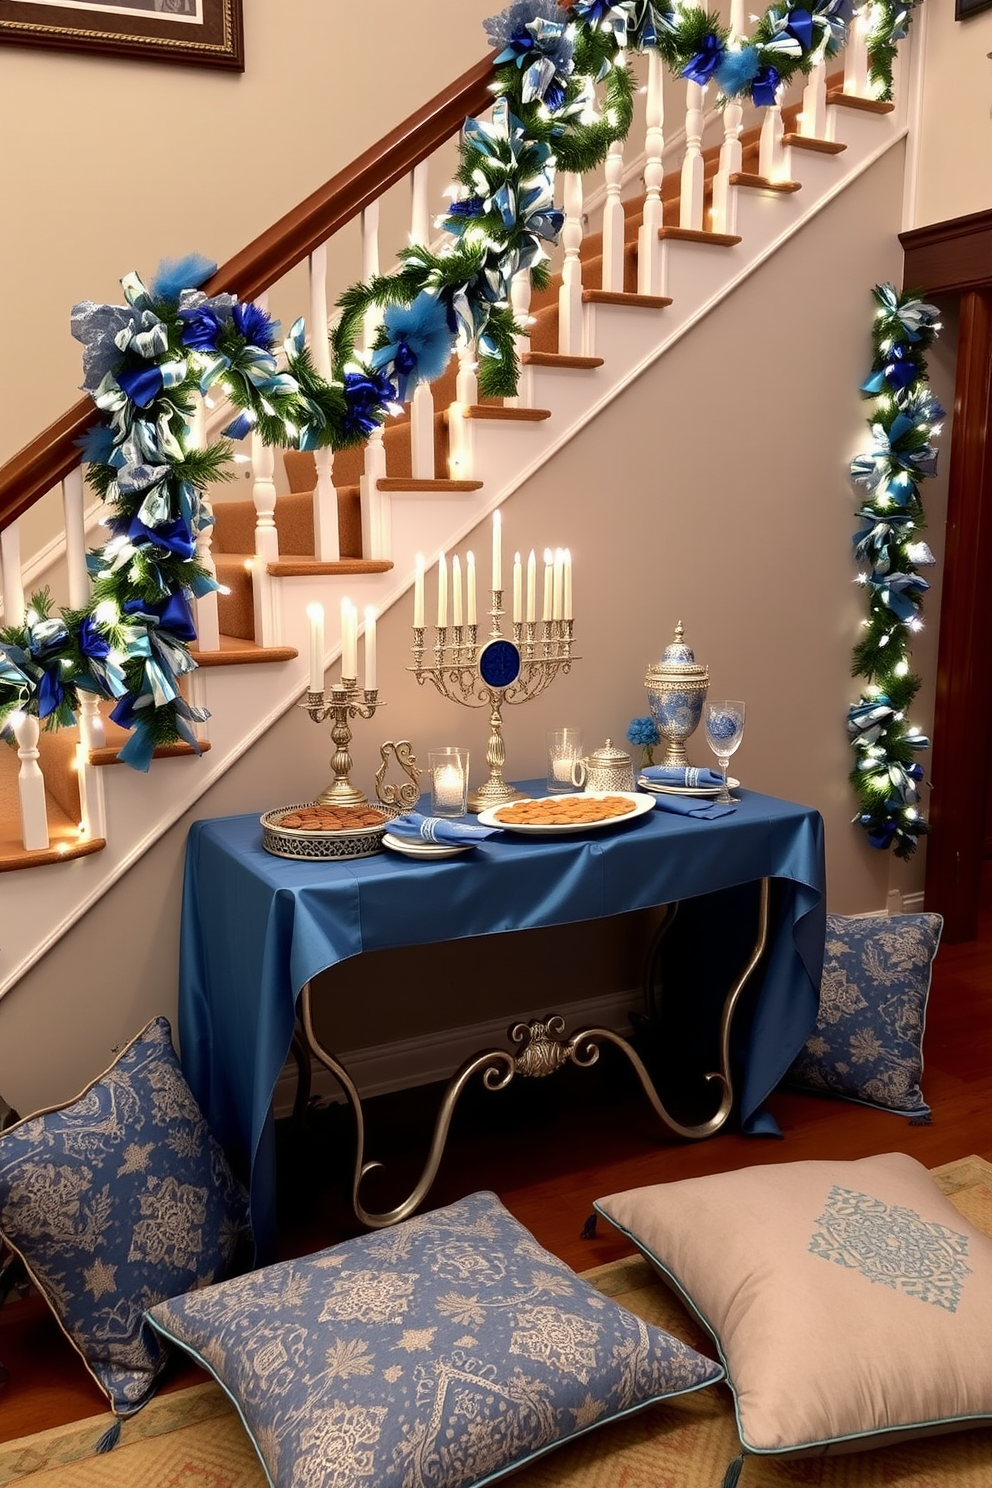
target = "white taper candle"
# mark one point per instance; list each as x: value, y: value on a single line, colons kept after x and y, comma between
x: 532, y: 586
x: 349, y: 639
x: 370, y: 649
x: 548, y: 570
x: 470, y: 588
x: 315, y: 614
x: 497, y: 550
x: 557, y: 586
x: 566, y: 602
x: 518, y: 585
x: 456, y: 590
x: 442, y: 589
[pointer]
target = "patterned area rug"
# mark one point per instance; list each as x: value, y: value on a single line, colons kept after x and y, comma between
x: 194, y: 1439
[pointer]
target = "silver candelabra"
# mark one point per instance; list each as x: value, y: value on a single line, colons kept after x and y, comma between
x: 346, y: 700
x: 491, y: 674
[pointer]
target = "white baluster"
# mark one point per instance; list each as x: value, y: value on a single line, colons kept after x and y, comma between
x: 75, y: 539
x: 376, y: 537
x: 613, y: 219
x: 422, y: 402
x: 31, y: 784
x: 460, y: 453
x: 856, y: 79
x: 420, y: 213
x: 326, y: 538
x: 263, y: 465
x: 724, y: 216
x: 813, y: 116
x: 648, y: 246
x: 92, y: 730
x: 691, y: 198
x: 771, y: 155
x: 207, y: 622
x: 520, y: 291
x: 570, y: 336
x: 10, y: 571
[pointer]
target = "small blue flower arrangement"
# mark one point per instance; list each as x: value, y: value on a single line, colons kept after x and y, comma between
x: 643, y: 733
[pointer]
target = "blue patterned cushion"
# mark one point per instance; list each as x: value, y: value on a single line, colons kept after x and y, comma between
x: 445, y: 1351
x: 868, y: 1041
x: 117, y: 1200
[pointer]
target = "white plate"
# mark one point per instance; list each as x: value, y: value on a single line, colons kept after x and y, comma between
x: 413, y: 849
x: 685, y: 790
x: 640, y: 802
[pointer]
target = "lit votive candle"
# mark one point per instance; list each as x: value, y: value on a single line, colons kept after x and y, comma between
x: 448, y: 788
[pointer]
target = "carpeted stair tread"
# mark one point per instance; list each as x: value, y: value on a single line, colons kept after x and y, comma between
x: 298, y: 565
x: 807, y: 142
x: 839, y: 98
x: 407, y: 483
x: 751, y: 179
x: 558, y: 359
x: 698, y: 235
x: 237, y: 652
x: 616, y: 297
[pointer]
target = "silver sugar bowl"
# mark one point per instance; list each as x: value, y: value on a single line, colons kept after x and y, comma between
x: 676, y: 687
x: 606, y: 769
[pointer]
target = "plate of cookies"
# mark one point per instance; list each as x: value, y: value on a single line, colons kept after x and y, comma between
x: 582, y: 811
x: 316, y: 831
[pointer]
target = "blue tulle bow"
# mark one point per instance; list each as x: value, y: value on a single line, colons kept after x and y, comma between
x: 173, y: 275
x: 701, y: 67
x: 419, y: 345
x: 738, y: 71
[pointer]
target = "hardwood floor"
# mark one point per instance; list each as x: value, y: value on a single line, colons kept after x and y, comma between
x: 550, y: 1147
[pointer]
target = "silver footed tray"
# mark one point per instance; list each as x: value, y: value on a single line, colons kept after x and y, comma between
x: 283, y: 835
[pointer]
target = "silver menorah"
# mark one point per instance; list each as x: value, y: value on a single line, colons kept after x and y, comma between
x: 493, y: 674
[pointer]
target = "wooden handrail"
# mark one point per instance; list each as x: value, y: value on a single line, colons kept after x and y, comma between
x: 52, y: 454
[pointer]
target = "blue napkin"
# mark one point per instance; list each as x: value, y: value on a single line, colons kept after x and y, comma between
x: 693, y: 806
x: 683, y: 775
x: 414, y: 827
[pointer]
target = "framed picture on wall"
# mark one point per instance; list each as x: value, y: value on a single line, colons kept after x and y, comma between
x: 965, y: 8
x: 204, y: 33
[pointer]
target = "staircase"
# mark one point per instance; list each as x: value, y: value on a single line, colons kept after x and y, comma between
x: 638, y: 269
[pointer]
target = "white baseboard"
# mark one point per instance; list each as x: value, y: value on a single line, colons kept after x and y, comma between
x: 897, y: 903
x: 437, y: 1056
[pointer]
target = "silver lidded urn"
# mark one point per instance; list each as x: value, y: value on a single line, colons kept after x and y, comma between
x: 676, y: 687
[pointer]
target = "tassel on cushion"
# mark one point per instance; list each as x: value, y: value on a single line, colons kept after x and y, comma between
x: 110, y: 1438
x: 732, y: 1476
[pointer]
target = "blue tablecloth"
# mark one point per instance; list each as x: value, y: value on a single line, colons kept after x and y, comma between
x: 256, y: 928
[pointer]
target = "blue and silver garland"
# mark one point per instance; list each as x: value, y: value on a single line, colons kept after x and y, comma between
x: 145, y: 360
x: 887, y: 776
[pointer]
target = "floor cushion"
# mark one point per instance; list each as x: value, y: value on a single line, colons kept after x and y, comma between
x: 850, y: 1301
x: 868, y: 1041
x: 116, y: 1200
x: 444, y: 1351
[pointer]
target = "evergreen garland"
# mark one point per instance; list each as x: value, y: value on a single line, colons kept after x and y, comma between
x: 907, y: 416
x: 564, y: 95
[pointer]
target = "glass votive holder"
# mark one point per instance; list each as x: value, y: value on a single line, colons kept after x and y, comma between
x: 449, y: 781
x: 564, y: 749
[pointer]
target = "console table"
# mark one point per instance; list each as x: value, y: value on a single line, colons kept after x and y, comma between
x: 256, y: 928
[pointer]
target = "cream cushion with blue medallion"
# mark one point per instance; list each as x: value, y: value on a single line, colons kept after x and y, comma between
x: 867, y: 1044
x: 850, y: 1301
x: 116, y: 1200
x: 445, y: 1351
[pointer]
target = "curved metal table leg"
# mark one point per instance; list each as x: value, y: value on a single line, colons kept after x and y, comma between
x: 543, y: 1049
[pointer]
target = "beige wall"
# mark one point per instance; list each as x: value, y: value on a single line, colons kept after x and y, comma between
x: 955, y: 161
x: 715, y: 491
